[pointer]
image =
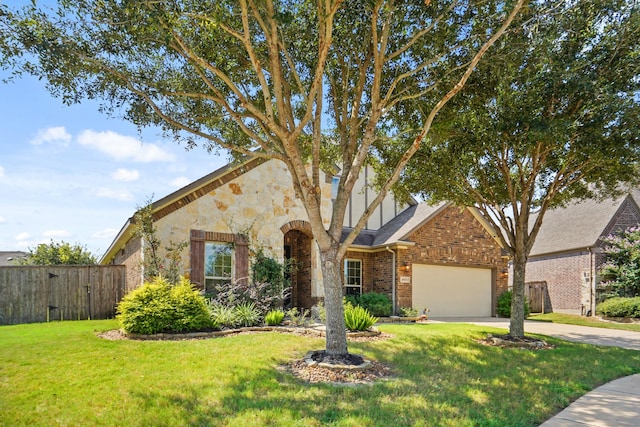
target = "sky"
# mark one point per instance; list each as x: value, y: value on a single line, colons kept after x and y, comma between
x: 73, y: 174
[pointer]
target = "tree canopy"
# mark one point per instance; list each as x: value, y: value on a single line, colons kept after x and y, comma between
x: 306, y: 82
x: 551, y: 115
x: 59, y: 253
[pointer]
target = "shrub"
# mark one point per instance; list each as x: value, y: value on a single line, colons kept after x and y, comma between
x: 504, y: 305
x: 297, y: 317
x: 190, y: 308
x: 620, y: 307
x: 378, y: 304
x: 247, y: 314
x: 408, y: 312
x: 357, y: 318
x: 274, y: 317
x: 158, y: 307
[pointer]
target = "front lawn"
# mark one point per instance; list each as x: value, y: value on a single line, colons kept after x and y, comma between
x: 572, y: 319
x: 63, y: 374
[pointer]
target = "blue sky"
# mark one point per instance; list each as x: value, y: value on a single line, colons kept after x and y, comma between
x: 71, y: 173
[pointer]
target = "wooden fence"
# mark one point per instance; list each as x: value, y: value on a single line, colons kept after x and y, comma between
x: 30, y: 294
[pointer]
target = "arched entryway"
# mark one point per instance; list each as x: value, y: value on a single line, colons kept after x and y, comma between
x: 297, y: 250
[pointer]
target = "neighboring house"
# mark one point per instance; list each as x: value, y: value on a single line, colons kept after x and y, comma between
x: 567, y: 253
x: 11, y: 258
x: 438, y: 257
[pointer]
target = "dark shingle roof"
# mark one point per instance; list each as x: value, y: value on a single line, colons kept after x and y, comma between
x: 578, y: 225
x: 399, y: 228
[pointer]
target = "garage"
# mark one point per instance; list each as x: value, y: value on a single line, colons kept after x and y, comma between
x: 452, y: 291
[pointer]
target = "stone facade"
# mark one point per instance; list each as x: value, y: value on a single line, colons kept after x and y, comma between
x: 254, y: 207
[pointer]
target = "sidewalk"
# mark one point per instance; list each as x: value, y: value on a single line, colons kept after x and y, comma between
x: 615, y: 404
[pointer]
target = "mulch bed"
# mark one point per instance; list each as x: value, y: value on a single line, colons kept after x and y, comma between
x: 507, y: 341
x: 318, y: 372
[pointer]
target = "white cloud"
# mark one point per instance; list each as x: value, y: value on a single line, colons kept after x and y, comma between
x: 1, y: 171
x: 55, y: 234
x: 126, y: 175
x: 110, y: 193
x: 122, y: 147
x: 107, y: 233
x: 57, y: 134
x: 180, y: 182
x: 23, y: 236
x: 2, y: 220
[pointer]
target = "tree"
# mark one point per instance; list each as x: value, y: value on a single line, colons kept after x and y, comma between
x: 304, y: 82
x: 155, y: 263
x: 621, y: 269
x: 59, y: 253
x: 552, y: 116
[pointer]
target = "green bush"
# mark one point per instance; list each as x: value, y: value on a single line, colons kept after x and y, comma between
x: 620, y: 307
x: 274, y: 317
x: 504, y: 305
x: 378, y: 304
x: 408, y: 312
x: 158, y: 307
x: 190, y: 308
x: 357, y: 318
x: 247, y: 314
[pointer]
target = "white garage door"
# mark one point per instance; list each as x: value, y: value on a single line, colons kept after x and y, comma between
x: 452, y: 291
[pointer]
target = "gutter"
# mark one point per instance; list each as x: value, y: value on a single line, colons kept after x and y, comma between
x: 393, y: 279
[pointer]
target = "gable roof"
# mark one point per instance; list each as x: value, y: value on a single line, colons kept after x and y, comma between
x: 398, y: 230
x: 183, y: 197
x: 576, y: 226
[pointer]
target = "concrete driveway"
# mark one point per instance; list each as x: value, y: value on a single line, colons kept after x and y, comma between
x: 583, y: 334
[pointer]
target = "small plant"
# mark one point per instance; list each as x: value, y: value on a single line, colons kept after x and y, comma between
x: 247, y: 314
x: 320, y: 312
x: 274, y: 317
x: 223, y: 316
x: 408, y: 312
x: 296, y: 317
x: 358, y: 318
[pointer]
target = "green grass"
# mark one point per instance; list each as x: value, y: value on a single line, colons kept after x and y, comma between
x: 63, y: 374
x: 572, y: 319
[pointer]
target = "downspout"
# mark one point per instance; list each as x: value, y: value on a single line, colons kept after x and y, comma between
x: 592, y: 284
x: 393, y: 279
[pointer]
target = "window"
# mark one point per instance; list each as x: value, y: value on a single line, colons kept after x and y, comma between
x: 218, y: 265
x: 353, y: 277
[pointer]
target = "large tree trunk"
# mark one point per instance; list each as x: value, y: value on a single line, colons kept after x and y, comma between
x: 516, y: 325
x: 336, y: 330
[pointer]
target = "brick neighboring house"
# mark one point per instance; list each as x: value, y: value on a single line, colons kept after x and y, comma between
x: 567, y: 253
x: 439, y: 257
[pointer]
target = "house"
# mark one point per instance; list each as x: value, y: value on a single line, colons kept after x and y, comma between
x: 441, y: 257
x: 567, y: 253
x: 11, y: 257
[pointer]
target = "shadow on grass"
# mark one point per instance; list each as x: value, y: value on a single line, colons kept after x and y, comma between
x: 444, y: 377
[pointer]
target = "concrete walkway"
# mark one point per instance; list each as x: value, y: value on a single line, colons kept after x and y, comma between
x: 615, y: 404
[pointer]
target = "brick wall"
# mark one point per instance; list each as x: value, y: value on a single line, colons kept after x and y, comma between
x: 454, y: 237
x: 567, y: 288
x: 569, y: 274
x: 131, y: 256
